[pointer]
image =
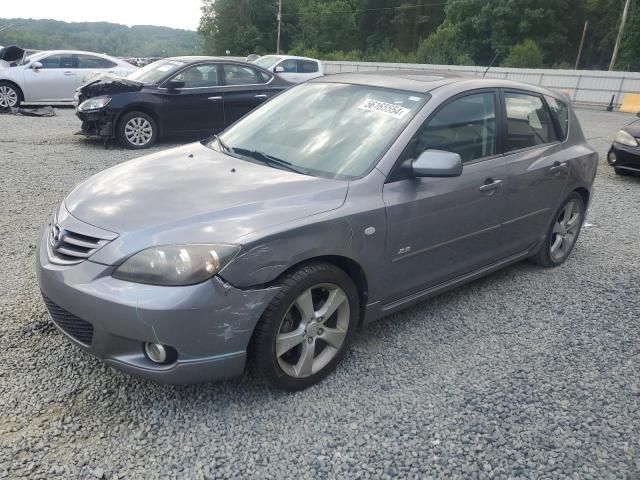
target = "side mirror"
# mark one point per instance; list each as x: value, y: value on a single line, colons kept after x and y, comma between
x: 279, y: 69
x: 175, y: 84
x: 436, y: 163
x: 36, y: 65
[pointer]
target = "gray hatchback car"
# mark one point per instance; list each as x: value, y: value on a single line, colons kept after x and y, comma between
x: 341, y: 200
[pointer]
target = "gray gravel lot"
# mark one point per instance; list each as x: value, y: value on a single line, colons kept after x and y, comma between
x: 528, y: 373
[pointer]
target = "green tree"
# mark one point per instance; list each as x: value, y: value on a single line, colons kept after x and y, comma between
x: 444, y: 47
x: 525, y: 54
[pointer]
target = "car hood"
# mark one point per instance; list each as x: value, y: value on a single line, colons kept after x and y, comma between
x: 197, y: 195
x: 11, y: 53
x: 633, y: 128
x: 108, y: 84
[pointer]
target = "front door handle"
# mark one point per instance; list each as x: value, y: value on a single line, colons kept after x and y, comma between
x: 490, y: 185
x: 558, y: 167
x: 69, y: 73
x: 214, y: 99
x: 261, y: 95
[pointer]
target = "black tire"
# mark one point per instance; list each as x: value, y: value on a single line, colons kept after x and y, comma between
x: 145, y: 122
x: 9, y: 91
x: 263, y: 361
x: 545, y: 257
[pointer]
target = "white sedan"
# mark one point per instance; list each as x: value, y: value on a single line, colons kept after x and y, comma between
x: 53, y: 76
x: 292, y: 69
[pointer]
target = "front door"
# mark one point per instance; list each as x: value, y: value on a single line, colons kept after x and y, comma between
x: 538, y: 167
x: 441, y: 228
x: 55, y: 81
x: 197, y: 107
x: 245, y: 89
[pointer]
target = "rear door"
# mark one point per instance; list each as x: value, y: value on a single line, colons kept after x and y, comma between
x: 198, y: 106
x: 244, y: 89
x: 55, y: 81
x: 441, y: 228
x: 537, y: 165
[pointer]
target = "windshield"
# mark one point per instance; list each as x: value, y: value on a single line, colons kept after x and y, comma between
x: 330, y: 130
x: 267, y: 61
x: 156, y: 71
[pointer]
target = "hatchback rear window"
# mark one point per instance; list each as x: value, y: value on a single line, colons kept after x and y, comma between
x: 560, y: 114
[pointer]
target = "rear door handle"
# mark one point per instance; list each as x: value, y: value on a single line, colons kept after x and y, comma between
x: 214, y: 99
x: 261, y: 95
x: 558, y: 167
x: 490, y: 185
x: 69, y: 73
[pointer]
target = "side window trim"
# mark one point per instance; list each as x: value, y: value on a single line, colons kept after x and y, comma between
x: 503, y: 92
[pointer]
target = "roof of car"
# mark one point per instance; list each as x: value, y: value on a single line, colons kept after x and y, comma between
x: 71, y: 52
x: 203, y: 58
x: 286, y: 57
x: 424, y: 81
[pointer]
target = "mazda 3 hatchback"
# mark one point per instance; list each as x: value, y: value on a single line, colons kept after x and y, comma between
x: 340, y: 201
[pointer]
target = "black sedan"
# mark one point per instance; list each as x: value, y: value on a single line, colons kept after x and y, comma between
x: 624, y: 154
x: 194, y: 96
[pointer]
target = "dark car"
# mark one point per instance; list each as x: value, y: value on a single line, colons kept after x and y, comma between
x: 340, y: 201
x: 195, y: 96
x: 624, y: 154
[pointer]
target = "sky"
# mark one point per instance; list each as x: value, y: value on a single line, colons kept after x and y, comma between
x: 180, y: 14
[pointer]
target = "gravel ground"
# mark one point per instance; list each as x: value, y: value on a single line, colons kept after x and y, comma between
x: 528, y: 373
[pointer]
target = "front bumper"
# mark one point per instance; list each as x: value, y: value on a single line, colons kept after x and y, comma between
x: 624, y: 157
x: 209, y: 325
x: 97, y: 123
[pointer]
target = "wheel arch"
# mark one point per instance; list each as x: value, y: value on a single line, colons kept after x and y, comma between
x: 584, y: 193
x: 14, y: 85
x: 139, y: 107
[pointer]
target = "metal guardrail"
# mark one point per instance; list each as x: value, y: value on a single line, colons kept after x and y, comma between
x: 585, y: 87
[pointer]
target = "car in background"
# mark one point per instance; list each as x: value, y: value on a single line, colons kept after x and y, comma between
x: 342, y: 200
x: 53, y: 76
x: 252, y: 57
x: 624, y: 154
x: 195, y: 96
x: 292, y: 69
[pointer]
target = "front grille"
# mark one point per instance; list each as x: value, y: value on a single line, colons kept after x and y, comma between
x: 68, y: 247
x: 70, y: 324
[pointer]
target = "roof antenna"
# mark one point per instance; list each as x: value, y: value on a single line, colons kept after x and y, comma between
x: 495, y: 57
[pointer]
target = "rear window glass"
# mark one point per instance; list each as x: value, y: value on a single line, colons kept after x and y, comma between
x: 305, y: 66
x: 528, y: 122
x: 560, y: 114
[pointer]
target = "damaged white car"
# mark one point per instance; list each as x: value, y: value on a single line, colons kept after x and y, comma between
x: 50, y: 76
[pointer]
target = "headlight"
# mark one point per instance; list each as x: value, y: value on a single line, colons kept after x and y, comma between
x: 174, y: 265
x: 94, y: 103
x: 626, y: 138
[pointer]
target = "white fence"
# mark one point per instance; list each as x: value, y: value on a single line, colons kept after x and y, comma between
x: 585, y: 87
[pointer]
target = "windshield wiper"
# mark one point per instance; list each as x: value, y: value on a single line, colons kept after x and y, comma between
x: 268, y: 159
x: 223, y: 146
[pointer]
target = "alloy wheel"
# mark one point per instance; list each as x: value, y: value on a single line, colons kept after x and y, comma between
x: 138, y: 131
x: 313, y: 330
x: 8, y: 96
x: 565, y: 230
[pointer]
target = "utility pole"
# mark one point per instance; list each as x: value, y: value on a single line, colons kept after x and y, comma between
x: 620, y: 32
x: 584, y: 34
x: 279, y: 24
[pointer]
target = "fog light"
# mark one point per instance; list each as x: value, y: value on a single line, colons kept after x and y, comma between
x: 155, y: 352
x: 612, y: 158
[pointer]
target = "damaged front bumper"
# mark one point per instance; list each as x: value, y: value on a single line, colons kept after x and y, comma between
x: 98, y: 123
x: 208, y: 325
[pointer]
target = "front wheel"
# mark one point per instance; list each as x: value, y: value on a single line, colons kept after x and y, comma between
x: 306, y: 330
x: 563, y: 233
x: 10, y: 96
x: 137, y: 130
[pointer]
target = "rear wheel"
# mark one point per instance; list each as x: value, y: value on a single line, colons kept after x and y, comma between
x: 563, y: 233
x: 10, y: 96
x: 137, y: 130
x: 306, y: 330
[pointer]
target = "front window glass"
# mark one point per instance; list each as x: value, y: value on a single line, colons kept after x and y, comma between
x: 58, y: 61
x: 325, y: 129
x: 528, y: 122
x: 289, y: 66
x: 267, y: 61
x: 155, y: 72
x: 199, y: 76
x: 466, y: 126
